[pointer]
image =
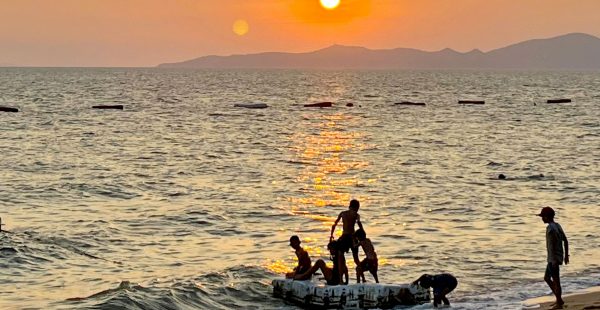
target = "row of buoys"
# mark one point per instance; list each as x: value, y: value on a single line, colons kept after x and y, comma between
x: 325, y: 104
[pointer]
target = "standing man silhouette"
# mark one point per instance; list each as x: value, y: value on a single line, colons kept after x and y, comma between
x: 555, y: 238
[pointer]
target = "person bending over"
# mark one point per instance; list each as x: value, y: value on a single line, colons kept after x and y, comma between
x: 442, y: 285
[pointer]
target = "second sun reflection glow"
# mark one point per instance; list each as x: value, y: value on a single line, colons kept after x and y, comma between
x: 330, y: 4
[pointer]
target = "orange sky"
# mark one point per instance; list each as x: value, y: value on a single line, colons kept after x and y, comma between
x: 148, y: 32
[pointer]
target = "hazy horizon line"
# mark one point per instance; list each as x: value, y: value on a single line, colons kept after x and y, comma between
x: 10, y: 65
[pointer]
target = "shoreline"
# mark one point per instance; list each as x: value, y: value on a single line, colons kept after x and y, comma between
x: 585, y: 299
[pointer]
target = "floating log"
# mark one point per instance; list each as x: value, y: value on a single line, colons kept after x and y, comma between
x: 319, y: 105
x: 410, y: 103
x: 8, y: 109
x: 251, y: 105
x: 558, y: 100
x: 471, y: 102
x: 109, y: 107
x: 349, y: 104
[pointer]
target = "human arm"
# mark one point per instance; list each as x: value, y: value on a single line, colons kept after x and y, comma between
x: 358, y: 221
x: 566, y: 249
x: 334, y: 225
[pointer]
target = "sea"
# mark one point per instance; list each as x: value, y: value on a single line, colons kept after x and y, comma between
x: 183, y: 201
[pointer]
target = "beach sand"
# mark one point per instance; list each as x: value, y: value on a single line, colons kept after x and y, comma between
x: 586, y: 300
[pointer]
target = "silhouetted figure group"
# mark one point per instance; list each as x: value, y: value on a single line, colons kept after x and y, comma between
x: 441, y: 284
x: 349, y: 240
x: 353, y: 240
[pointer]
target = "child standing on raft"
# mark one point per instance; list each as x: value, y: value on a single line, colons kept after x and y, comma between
x: 349, y: 218
x: 370, y: 263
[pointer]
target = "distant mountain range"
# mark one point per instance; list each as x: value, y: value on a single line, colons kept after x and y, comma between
x: 576, y: 51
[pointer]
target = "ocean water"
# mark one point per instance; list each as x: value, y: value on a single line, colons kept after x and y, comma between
x: 182, y: 201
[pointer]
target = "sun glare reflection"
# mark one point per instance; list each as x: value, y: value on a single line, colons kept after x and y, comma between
x: 330, y: 150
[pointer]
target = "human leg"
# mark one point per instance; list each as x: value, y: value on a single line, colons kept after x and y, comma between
x: 373, y: 266
x: 319, y: 264
x: 555, y: 275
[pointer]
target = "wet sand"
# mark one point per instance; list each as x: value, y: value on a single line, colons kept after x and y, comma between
x: 590, y: 299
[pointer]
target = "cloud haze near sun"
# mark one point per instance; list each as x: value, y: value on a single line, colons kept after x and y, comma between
x: 148, y: 32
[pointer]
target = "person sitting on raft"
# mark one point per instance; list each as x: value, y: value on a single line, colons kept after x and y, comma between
x: 370, y: 262
x: 334, y: 275
x: 442, y: 285
x: 304, y: 262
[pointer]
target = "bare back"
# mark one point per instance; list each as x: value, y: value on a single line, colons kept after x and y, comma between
x: 349, y: 218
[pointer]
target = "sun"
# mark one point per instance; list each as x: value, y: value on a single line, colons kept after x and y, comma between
x: 330, y: 4
x: 241, y: 27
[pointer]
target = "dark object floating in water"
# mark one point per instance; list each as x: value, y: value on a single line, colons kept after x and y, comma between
x: 471, y: 102
x: 251, y: 105
x: 6, y: 250
x: 536, y: 177
x: 349, y: 104
x: 558, y: 101
x: 410, y: 103
x: 319, y: 105
x: 109, y: 107
x: 501, y: 177
x: 7, y: 109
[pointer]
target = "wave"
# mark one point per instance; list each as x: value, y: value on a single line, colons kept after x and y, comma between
x: 243, y: 287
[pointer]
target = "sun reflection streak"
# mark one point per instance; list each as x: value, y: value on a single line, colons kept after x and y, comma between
x: 329, y: 148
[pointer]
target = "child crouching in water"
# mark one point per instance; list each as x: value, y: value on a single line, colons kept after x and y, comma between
x: 370, y: 263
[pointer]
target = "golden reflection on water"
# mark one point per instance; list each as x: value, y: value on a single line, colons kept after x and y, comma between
x: 331, y: 159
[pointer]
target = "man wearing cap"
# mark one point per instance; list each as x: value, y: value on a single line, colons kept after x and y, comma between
x: 555, y: 237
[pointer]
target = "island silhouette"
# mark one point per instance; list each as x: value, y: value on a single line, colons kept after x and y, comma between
x: 575, y: 51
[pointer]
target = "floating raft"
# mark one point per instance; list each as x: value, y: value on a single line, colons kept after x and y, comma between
x: 108, y: 107
x: 313, y: 295
x: 410, y: 103
x: 471, y: 102
x: 558, y: 101
x: 251, y: 105
x: 319, y: 105
x: 9, y: 109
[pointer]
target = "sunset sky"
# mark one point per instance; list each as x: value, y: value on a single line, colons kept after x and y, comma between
x: 149, y: 32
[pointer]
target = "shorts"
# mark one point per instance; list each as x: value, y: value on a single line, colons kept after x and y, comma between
x: 552, y: 271
x: 369, y: 265
x: 346, y: 242
x: 448, y: 286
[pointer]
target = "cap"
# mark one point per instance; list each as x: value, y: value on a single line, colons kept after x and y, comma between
x: 547, y: 211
